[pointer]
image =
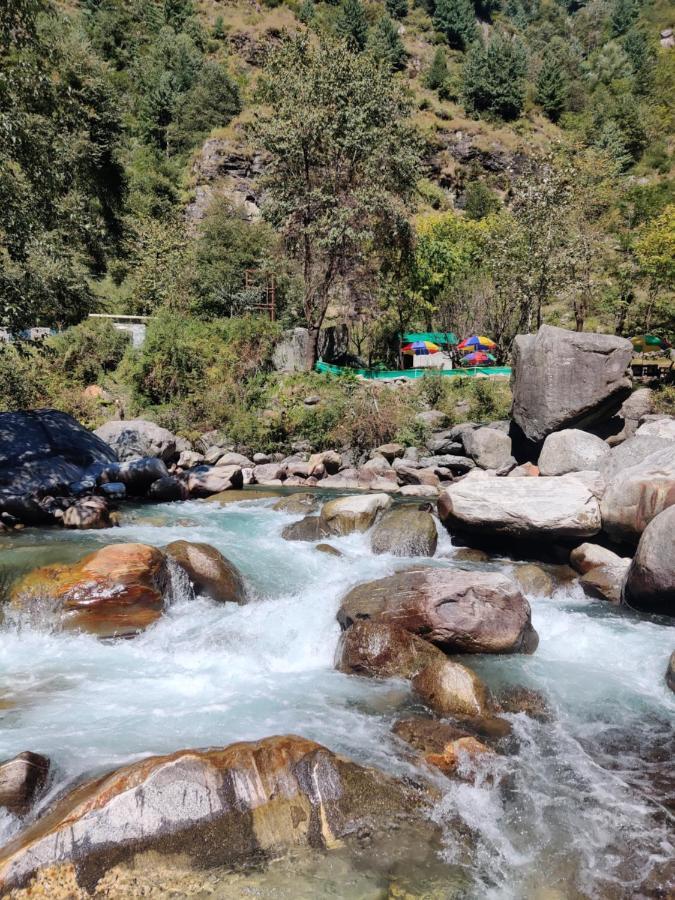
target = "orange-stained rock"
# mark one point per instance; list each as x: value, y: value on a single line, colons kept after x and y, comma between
x: 210, y: 572
x: 442, y: 744
x: 227, y: 806
x: 118, y: 590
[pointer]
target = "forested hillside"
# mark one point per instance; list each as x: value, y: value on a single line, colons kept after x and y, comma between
x: 390, y: 165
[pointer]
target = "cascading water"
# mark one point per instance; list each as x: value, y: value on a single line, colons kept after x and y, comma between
x: 579, y: 810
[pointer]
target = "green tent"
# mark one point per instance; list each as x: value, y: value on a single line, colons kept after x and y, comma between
x: 442, y: 338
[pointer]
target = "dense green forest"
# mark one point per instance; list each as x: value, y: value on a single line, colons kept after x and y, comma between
x: 472, y: 166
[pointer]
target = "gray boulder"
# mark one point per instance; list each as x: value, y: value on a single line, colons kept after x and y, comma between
x: 663, y: 427
x: 405, y: 531
x: 563, y: 379
x: 670, y: 672
x: 635, y: 495
x: 488, y: 447
x: 571, y: 450
x: 650, y: 584
x: 530, y: 508
x: 135, y: 474
x: 631, y: 453
x: 636, y: 406
x: 136, y: 438
x: 44, y: 451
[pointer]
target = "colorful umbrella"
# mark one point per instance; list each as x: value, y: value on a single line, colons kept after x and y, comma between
x: 479, y: 358
x: 477, y: 342
x: 420, y: 348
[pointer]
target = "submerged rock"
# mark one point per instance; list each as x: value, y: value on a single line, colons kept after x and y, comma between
x: 382, y: 650
x: 562, y: 379
x: 449, y: 688
x: 405, y: 531
x: 650, y: 583
x: 115, y: 591
x: 311, y: 528
x: 21, y: 781
x: 441, y: 744
x: 348, y: 514
x: 533, y: 580
x: 518, y: 699
x: 297, y: 503
x: 458, y: 610
x: 527, y: 508
x: 240, y: 804
x: 210, y: 572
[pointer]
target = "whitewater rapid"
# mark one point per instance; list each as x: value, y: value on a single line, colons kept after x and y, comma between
x: 577, y: 806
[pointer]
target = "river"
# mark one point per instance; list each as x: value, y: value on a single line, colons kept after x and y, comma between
x: 581, y: 810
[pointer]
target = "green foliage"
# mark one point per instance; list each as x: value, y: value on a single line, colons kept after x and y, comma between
x: 494, y: 77
x: 88, y: 351
x: 624, y: 14
x: 479, y: 201
x: 552, y: 87
x: 456, y: 20
x: 22, y: 378
x: 386, y: 45
x: 212, y: 101
x: 397, y: 9
x: 437, y: 77
x: 642, y: 59
x: 352, y: 25
x: 307, y: 11
x: 219, y: 29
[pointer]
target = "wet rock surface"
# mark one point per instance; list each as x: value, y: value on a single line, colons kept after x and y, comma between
x: 404, y: 531
x: 449, y: 688
x: 381, y: 650
x: 210, y: 572
x: 459, y: 611
x: 226, y: 806
x: 22, y: 779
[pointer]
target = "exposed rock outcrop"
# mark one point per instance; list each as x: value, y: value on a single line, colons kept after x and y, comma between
x: 219, y: 807
x: 450, y: 689
x: 459, y: 611
x: 488, y: 447
x: 564, y: 379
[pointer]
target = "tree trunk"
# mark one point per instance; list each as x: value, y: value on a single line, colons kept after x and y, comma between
x: 313, y: 334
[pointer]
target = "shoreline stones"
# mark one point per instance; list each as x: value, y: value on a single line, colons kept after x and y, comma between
x: 460, y: 611
x: 112, y: 592
x: 219, y: 807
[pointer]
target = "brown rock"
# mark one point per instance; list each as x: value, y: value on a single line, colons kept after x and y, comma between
x: 449, y: 688
x: 297, y: 503
x: 442, y: 745
x: 89, y: 512
x: 356, y: 513
x: 380, y: 650
x: 526, y: 470
x: 214, y: 480
x: 209, y: 571
x: 389, y: 451
x: 405, y: 531
x: 605, y: 582
x: 470, y: 554
x: 220, y: 807
x: 670, y: 672
x: 311, y: 528
x: 329, y: 549
x: 590, y: 556
x: 118, y: 590
x: 519, y: 699
x: 533, y: 580
x: 21, y: 780
x: 460, y: 611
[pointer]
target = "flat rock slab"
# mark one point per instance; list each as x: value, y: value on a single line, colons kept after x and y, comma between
x: 530, y: 508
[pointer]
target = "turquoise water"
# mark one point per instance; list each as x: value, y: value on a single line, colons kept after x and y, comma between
x: 579, y: 809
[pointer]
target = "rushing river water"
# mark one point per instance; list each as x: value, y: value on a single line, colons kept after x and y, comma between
x: 581, y: 810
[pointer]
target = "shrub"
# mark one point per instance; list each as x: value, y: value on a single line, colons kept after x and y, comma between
x: 86, y: 352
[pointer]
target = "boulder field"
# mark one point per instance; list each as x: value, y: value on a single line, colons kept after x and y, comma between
x: 244, y: 803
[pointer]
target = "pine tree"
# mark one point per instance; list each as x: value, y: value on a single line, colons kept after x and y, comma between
x: 386, y: 45
x: 625, y: 12
x: 612, y: 142
x: 552, y: 87
x: 437, y: 77
x: 641, y: 57
x: 397, y: 9
x: 219, y: 29
x: 352, y: 24
x: 456, y: 19
x: 494, y: 77
x: 307, y: 11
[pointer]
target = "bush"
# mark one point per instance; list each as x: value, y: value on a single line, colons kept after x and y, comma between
x: 22, y: 378
x: 86, y: 352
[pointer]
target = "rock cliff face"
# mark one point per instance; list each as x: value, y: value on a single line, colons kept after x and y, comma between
x: 564, y: 379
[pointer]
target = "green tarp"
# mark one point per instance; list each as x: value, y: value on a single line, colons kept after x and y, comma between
x: 442, y: 338
x: 328, y: 369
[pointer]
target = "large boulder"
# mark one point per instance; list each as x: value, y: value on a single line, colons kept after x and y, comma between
x: 383, y: 650
x: 587, y: 556
x: 44, y: 451
x: 118, y: 590
x: 458, y: 610
x: 488, y: 447
x: 168, y: 489
x: 563, y: 379
x: 530, y: 508
x: 571, y: 450
x: 450, y: 689
x: 661, y: 427
x: 632, y: 452
x: 634, y: 496
x: 650, y: 584
x: 136, y: 438
x: 348, y: 514
x: 209, y: 571
x: 638, y: 404
x: 21, y: 781
x: 135, y: 474
x: 204, y: 481
x: 245, y: 803
x: 405, y: 531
